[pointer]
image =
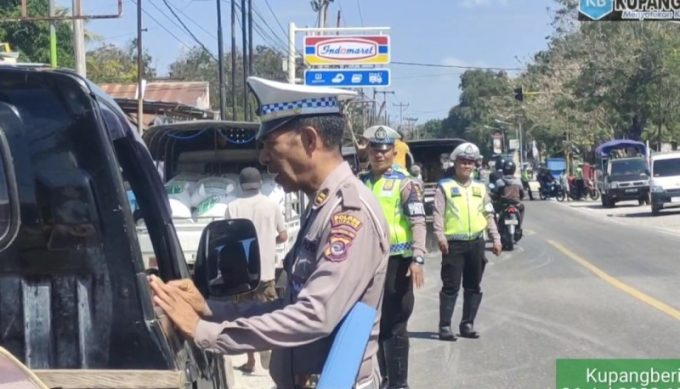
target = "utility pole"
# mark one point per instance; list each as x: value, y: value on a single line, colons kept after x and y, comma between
x: 244, y: 22
x: 384, y: 93
x: 53, y: 36
x: 79, y: 38
x: 140, y: 68
x: 412, y: 126
x: 402, y: 108
x: 220, y: 53
x: 233, y: 59
x: 250, y: 48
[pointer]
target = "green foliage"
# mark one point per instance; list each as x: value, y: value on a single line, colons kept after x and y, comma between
x: 32, y: 39
x: 595, y: 81
x: 112, y: 64
x: 196, y: 64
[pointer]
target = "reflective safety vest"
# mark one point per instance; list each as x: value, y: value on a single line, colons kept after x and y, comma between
x: 464, y: 218
x: 388, y: 192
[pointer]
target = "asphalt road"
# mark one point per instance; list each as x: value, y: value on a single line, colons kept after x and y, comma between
x: 578, y: 286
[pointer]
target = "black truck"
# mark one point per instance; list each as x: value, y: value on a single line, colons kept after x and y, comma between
x: 75, y: 305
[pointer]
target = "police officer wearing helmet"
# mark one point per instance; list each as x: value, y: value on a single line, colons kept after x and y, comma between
x: 462, y: 211
x: 339, y: 257
x: 401, y: 199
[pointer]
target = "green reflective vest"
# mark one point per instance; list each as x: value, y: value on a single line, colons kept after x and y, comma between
x: 388, y: 192
x: 464, y: 218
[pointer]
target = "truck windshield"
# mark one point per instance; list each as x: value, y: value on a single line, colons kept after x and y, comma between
x: 627, y: 167
x: 667, y: 167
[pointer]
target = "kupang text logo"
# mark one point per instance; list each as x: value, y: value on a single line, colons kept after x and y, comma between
x: 629, y: 10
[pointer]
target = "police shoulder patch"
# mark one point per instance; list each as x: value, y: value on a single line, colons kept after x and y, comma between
x: 344, y: 229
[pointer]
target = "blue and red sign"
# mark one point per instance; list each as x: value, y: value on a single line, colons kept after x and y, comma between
x: 347, y: 50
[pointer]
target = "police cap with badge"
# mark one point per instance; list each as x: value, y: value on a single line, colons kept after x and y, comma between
x: 380, y: 137
x: 280, y: 103
x: 466, y: 151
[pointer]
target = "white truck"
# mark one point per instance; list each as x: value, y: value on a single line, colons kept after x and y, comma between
x: 199, y: 162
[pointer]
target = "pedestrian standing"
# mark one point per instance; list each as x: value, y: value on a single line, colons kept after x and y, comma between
x: 267, y: 217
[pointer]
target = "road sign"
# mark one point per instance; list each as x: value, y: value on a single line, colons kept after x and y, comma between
x: 348, y: 78
x: 347, y: 50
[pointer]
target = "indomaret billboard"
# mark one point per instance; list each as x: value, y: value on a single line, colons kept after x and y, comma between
x: 347, y: 50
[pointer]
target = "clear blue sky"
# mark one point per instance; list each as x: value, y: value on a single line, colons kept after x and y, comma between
x: 489, y: 33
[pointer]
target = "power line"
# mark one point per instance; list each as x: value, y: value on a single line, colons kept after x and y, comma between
x: 161, y: 25
x: 361, y: 16
x: 428, y: 75
x: 276, y: 18
x: 188, y: 30
x: 210, y: 34
x: 434, y: 65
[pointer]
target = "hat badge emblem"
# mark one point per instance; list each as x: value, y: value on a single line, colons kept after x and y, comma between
x: 380, y: 133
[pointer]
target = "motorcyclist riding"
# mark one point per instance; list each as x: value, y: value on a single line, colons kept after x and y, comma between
x: 509, y: 190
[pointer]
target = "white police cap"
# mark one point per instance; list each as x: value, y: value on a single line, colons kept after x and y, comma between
x: 465, y: 150
x: 381, y: 137
x: 281, y: 102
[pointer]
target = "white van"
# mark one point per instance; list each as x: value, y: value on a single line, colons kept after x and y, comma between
x: 665, y: 181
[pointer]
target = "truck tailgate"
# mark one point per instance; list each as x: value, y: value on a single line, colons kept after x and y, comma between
x: 110, y: 379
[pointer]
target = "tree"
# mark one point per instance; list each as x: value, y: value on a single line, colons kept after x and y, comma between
x: 197, y: 64
x: 112, y: 64
x: 32, y: 39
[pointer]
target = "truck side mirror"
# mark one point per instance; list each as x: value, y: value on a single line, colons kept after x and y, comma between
x: 228, y: 259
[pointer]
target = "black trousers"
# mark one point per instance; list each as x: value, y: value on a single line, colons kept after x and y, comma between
x: 465, y: 260
x: 398, y: 299
x: 396, y: 309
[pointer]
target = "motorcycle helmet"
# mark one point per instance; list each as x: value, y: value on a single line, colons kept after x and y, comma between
x: 509, y: 168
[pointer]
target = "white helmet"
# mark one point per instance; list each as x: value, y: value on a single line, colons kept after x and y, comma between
x: 467, y: 151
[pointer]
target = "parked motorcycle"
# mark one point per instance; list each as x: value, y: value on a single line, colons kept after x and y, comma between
x: 552, y: 189
x: 589, y: 191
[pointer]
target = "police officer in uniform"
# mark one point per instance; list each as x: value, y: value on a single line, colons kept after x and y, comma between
x: 401, y: 199
x: 462, y: 211
x: 339, y: 257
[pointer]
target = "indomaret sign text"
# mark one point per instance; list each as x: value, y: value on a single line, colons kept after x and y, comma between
x: 347, y: 50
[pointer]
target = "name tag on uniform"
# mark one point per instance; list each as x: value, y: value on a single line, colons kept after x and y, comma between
x: 455, y: 191
x: 477, y: 192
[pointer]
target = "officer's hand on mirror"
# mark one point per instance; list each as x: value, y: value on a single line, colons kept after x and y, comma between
x: 444, y: 247
x: 169, y: 299
x: 497, y: 248
x: 417, y: 274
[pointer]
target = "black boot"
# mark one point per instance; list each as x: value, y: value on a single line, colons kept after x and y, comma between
x: 471, y: 303
x: 446, y: 305
x: 396, y: 361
